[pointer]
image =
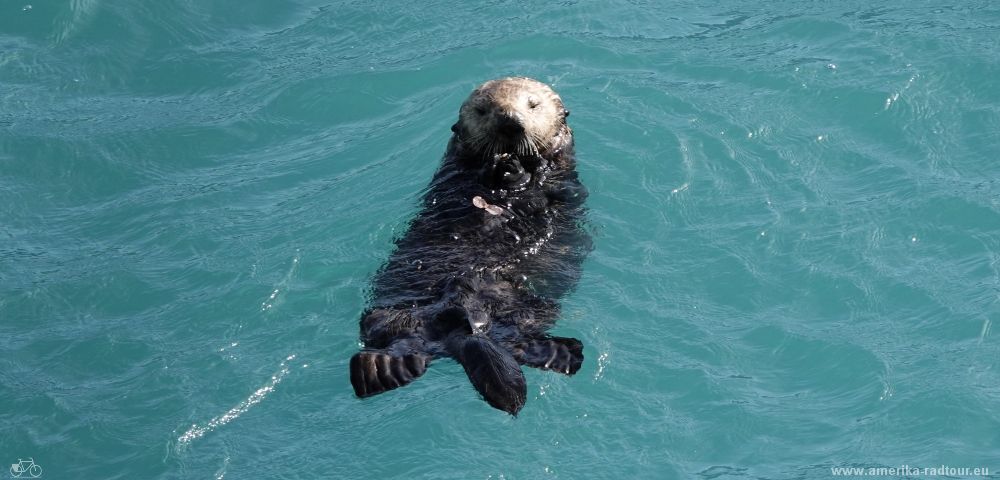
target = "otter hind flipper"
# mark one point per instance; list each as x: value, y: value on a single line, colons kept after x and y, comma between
x: 377, y: 371
x: 493, y: 372
x: 559, y: 354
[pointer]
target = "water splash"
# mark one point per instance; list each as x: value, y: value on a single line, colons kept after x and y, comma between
x: 220, y: 474
x: 197, y: 431
x: 891, y: 99
x: 602, y: 363
x: 272, y: 299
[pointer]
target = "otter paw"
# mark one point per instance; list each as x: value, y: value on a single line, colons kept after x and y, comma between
x: 377, y: 371
x: 559, y: 354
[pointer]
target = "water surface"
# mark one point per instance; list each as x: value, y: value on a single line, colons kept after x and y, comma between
x: 796, y: 209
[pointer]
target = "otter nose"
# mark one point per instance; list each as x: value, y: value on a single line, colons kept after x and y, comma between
x: 510, y: 125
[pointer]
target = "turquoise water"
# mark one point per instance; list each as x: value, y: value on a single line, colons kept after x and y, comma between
x: 796, y: 210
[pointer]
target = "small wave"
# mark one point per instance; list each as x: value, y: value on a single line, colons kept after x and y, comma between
x: 197, y: 431
x: 77, y: 16
x: 272, y: 299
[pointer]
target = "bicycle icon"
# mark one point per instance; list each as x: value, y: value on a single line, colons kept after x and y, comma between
x: 33, y: 469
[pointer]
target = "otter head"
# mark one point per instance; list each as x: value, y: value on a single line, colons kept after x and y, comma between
x: 514, y: 115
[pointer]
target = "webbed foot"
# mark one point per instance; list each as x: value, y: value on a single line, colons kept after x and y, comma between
x: 377, y: 371
x: 559, y: 354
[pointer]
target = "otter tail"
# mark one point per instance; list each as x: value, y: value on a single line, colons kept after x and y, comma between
x: 493, y: 371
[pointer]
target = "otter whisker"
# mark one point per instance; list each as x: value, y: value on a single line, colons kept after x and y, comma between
x: 493, y: 148
x: 527, y: 145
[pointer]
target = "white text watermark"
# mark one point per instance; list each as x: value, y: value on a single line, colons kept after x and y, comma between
x: 908, y: 471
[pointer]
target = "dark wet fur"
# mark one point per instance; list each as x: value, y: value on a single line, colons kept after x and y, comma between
x: 476, y: 286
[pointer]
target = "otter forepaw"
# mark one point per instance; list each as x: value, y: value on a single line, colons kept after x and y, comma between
x: 377, y: 371
x: 559, y: 354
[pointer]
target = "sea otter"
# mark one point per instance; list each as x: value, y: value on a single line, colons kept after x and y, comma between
x: 499, y: 240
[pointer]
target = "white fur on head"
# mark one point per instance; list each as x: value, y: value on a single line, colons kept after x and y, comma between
x: 533, y: 104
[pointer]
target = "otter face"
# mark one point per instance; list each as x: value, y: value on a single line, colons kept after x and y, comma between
x: 512, y: 115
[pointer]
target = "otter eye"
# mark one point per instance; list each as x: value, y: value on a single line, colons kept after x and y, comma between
x: 480, y: 110
x: 532, y: 102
